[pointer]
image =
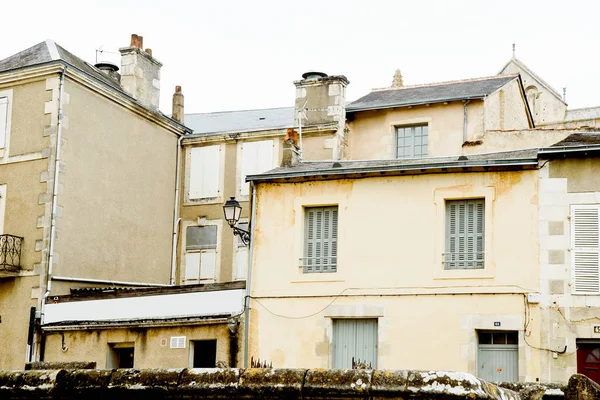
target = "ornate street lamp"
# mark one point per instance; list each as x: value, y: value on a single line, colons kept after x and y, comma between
x: 233, y: 211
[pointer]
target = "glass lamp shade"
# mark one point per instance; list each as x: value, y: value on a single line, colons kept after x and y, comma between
x: 232, y: 211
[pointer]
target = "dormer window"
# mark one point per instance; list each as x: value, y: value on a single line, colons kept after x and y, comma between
x: 411, y: 141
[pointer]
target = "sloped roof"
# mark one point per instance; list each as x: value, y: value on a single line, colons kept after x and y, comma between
x: 579, y: 139
x: 241, y: 121
x: 430, y: 93
x: 535, y: 76
x: 49, y: 51
x: 338, y: 169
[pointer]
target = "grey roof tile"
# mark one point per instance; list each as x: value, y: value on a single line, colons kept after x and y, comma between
x: 42, y: 53
x: 315, y: 168
x: 579, y: 139
x: 241, y: 121
x: 430, y: 93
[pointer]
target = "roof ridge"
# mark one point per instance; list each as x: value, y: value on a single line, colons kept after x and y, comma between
x: 246, y: 110
x: 52, y: 49
x: 536, y: 76
x: 491, y: 77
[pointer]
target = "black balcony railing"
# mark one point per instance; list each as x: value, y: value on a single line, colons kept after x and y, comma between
x: 10, y: 252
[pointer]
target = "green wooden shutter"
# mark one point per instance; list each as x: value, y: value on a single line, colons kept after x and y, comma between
x: 465, y: 231
x: 320, y: 239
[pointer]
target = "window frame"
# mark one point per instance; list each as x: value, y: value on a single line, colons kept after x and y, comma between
x: 465, y: 258
x: 443, y: 194
x: 331, y: 267
x: 412, y: 127
x: 185, y: 251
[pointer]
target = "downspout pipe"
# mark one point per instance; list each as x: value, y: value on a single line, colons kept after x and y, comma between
x: 249, y: 277
x: 465, y: 121
x: 176, y: 218
x: 51, y: 240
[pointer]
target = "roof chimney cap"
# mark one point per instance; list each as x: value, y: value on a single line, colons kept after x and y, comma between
x: 314, y: 75
x: 106, y: 66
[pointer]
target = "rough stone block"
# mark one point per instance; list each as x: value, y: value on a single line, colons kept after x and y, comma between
x: 27, y: 384
x: 261, y: 383
x: 83, y: 384
x: 556, y: 228
x: 215, y: 383
x: 36, y: 365
x: 389, y: 384
x: 151, y: 383
x: 337, y: 383
x: 556, y: 287
x: 581, y: 387
x: 556, y: 257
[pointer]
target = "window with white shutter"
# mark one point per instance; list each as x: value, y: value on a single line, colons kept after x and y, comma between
x: 3, y: 121
x: 585, y: 249
x: 320, y: 240
x: 204, y: 172
x: 465, y: 234
x: 200, y: 256
x: 257, y: 157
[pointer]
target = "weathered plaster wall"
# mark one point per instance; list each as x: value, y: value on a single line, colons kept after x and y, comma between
x: 116, y: 192
x: 390, y: 264
x: 372, y: 133
x: 565, y: 317
x: 28, y: 118
x: 506, y: 109
x: 546, y: 107
x: 16, y: 298
x: 507, y: 140
x: 151, y: 345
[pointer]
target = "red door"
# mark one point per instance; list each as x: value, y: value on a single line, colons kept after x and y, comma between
x: 588, y: 360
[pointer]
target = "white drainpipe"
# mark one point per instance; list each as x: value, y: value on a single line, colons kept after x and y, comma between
x: 176, y: 218
x: 249, y: 276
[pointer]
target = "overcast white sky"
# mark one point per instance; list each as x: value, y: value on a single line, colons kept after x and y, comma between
x: 239, y: 54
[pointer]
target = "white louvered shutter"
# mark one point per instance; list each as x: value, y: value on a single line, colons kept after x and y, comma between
x: 192, y: 268
x: 3, y: 121
x: 585, y: 253
x: 204, y: 172
x: 208, y: 262
x: 257, y: 157
x: 465, y: 234
x: 241, y: 263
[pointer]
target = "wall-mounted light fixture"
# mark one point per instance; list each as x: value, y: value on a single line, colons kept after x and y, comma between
x: 233, y: 211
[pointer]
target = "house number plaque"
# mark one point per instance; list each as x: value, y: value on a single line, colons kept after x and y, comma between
x: 596, y: 328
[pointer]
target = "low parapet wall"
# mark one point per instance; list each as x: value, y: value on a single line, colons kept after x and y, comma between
x: 259, y: 384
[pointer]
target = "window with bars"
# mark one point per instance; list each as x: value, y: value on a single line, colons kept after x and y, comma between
x: 585, y: 245
x: 411, y: 141
x: 465, y: 234
x: 320, y: 240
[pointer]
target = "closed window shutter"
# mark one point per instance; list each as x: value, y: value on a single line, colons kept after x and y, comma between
x: 257, y: 157
x: 465, y: 234
x: 204, y: 172
x: 192, y: 268
x: 3, y: 121
x: 241, y: 263
x: 320, y: 240
x: 208, y: 260
x: 585, y: 254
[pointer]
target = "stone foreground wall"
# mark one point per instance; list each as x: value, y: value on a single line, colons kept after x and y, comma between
x: 267, y: 384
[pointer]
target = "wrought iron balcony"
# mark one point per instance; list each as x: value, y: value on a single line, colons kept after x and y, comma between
x: 10, y: 254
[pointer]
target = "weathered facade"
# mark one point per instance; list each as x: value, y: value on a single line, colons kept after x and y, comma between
x: 82, y: 166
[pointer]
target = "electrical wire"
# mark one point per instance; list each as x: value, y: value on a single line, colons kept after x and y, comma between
x: 302, y: 317
x: 526, y: 322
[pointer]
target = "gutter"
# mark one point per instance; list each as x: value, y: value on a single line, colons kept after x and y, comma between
x: 249, y: 277
x: 569, y: 149
x: 105, y: 281
x: 176, y: 218
x: 83, y: 326
x: 394, y: 168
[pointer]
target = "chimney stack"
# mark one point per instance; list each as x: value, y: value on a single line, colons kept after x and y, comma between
x: 177, y: 112
x: 290, y: 149
x: 321, y: 100
x: 140, y: 73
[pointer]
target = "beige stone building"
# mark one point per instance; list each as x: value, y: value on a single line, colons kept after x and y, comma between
x: 87, y: 184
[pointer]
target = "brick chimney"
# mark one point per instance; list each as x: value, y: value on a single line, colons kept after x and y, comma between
x: 290, y: 149
x: 177, y: 111
x: 321, y: 100
x: 140, y: 73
